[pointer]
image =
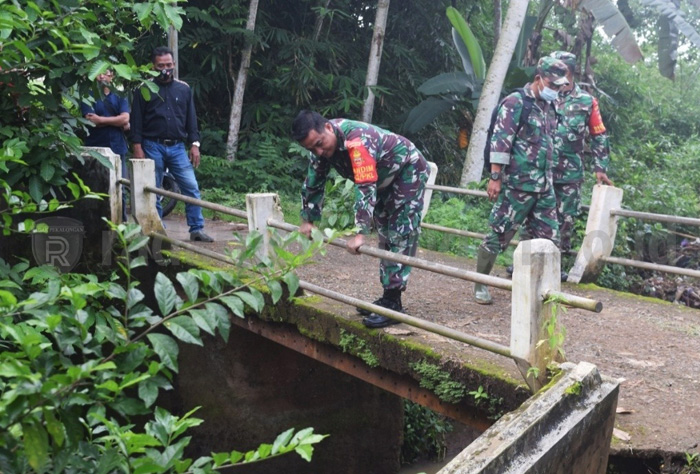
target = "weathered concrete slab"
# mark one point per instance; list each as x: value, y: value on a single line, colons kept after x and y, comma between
x: 566, y: 428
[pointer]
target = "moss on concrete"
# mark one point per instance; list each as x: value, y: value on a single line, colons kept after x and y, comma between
x: 625, y: 295
x: 574, y: 389
x: 312, y: 319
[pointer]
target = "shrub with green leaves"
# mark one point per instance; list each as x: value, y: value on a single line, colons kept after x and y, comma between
x: 339, y: 204
x: 82, y: 358
x: 424, y: 434
x: 51, y: 54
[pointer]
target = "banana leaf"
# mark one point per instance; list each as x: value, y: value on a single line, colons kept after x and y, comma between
x: 475, y: 56
x: 616, y: 27
x: 425, y: 112
x: 525, y: 33
x: 668, y: 9
x: 448, y: 83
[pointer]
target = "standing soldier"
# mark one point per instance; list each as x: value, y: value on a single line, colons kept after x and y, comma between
x: 521, y: 169
x: 579, y: 121
x: 389, y: 173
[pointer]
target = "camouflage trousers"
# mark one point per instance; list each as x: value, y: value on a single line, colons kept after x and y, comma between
x: 512, y: 209
x: 397, y: 218
x: 568, y: 209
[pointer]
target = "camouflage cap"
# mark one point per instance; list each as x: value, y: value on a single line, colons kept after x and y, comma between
x: 552, y: 69
x: 567, y: 58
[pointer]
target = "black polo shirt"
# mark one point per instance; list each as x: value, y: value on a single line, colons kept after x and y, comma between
x: 168, y: 115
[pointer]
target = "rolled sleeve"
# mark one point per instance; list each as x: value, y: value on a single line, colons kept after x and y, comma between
x: 500, y: 158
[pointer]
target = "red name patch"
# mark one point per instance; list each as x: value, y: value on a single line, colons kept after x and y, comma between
x: 595, y: 124
x: 363, y: 165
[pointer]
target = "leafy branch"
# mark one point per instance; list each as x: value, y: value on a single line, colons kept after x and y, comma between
x: 78, y: 349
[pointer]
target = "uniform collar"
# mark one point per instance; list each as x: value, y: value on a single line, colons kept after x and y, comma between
x: 529, y: 93
x: 574, y: 92
x: 340, y: 138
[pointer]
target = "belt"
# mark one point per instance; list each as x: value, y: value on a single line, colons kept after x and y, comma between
x: 165, y: 141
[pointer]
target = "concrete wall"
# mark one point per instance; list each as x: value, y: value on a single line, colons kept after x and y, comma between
x: 565, y: 429
x: 90, y: 242
x: 251, y: 389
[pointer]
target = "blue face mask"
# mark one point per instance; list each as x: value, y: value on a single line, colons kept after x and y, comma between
x: 548, y: 94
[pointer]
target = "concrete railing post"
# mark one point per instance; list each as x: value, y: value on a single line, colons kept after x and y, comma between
x: 601, y: 229
x: 429, y: 192
x: 536, y: 269
x: 143, y: 203
x: 261, y: 207
x: 114, y: 189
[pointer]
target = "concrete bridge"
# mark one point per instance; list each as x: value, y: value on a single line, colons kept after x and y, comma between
x: 658, y: 417
x: 280, y: 370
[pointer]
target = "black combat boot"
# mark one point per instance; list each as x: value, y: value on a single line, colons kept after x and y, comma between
x: 390, y: 300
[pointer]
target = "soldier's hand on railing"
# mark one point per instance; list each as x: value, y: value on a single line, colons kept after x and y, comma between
x: 305, y: 228
x: 601, y: 177
x: 355, y: 243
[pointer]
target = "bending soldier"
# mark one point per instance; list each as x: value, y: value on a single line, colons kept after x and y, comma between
x: 389, y: 173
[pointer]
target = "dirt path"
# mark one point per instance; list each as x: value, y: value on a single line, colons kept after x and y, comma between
x: 652, y: 346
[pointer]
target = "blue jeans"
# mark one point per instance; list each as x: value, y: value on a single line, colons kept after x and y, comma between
x: 175, y: 159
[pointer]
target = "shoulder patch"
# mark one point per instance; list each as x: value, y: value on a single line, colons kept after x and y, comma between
x: 595, y: 123
x: 355, y: 142
x: 364, y: 167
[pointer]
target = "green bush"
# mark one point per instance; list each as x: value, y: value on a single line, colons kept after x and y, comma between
x: 84, y: 359
x: 424, y: 434
x: 339, y: 204
x: 266, y: 163
x: 465, y: 213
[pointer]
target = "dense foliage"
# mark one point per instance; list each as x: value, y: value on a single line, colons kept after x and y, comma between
x: 83, y: 359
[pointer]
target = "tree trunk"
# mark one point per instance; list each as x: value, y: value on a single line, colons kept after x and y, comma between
x: 375, y: 57
x: 490, y: 93
x: 239, y: 90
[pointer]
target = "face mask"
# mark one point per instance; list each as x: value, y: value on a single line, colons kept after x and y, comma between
x: 165, y: 74
x: 548, y: 94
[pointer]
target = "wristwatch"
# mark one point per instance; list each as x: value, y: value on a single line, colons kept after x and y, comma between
x: 196, y: 144
x: 495, y: 175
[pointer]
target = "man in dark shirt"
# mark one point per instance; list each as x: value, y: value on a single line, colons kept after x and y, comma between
x: 161, y: 126
x: 110, y: 115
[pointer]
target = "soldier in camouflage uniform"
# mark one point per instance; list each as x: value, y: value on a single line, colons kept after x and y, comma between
x: 521, y: 169
x: 578, y: 121
x: 389, y: 173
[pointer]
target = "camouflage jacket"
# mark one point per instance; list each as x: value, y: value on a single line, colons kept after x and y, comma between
x: 369, y: 156
x: 527, y: 157
x: 578, y: 119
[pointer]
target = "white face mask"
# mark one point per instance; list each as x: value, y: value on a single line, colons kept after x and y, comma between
x: 548, y: 94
